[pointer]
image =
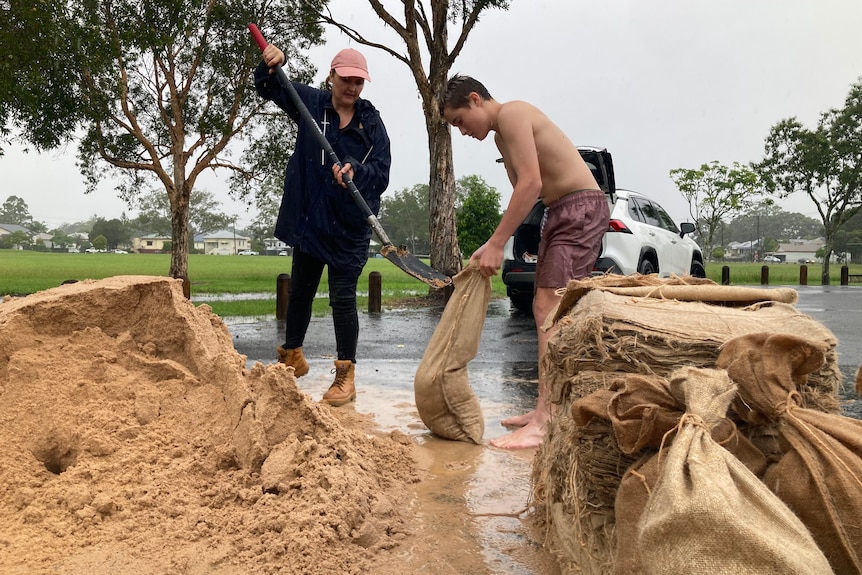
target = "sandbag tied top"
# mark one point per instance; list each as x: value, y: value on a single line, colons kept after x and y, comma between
x: 444, y: 399
x: 819, y: 476
x: 708, y: 513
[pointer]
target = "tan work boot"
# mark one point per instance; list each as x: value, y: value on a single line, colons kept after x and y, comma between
x: 293, y: 358
x: 342, y: 389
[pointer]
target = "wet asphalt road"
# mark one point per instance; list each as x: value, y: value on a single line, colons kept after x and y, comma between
x: 391, y: 344
x: 503, y: 374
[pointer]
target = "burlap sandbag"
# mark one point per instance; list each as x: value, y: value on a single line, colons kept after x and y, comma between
x: 602, y: 340
x: 678, y: 288
x: 820, y: 475
x: 444, y: 398
x: 643, y: 412
x: 708, y: 514
x: 606, y: 332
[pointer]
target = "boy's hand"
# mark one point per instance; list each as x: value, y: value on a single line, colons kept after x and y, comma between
x: 490, y: 259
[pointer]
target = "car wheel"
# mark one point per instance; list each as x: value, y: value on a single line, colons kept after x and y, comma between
x: 646, y: 268
x: 697, y: 269
x: 522, y: 302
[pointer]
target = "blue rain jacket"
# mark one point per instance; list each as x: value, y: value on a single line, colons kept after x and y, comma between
x: 318, y: 216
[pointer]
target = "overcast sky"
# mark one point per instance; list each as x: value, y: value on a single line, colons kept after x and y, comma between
x: 662, y: 84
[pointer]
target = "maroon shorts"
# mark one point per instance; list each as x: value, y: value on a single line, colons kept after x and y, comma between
x: 571, y: 237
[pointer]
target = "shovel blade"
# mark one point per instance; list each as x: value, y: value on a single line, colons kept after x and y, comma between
x: 415, y: 267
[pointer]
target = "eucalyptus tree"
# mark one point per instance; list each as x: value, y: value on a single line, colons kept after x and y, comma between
x: 39, y: 98
x: 163, y: 88
x: 15, y: 211
x: 205, y: 214
x: 423, y: 27
x: 115, y: 231
x: 405, y: 218
x: 714, y: 193
x: 478, y: 212
x: 824, y: 163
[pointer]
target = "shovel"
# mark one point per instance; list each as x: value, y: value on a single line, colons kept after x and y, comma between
x: 398, y: 256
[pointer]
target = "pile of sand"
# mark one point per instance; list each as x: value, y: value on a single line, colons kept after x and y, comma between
x: 134, y: 440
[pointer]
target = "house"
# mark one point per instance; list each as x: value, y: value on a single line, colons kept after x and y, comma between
x: 222, y: 243
x: 151, y: 244
x: 799, y: 251
x: 6, y: 229
x: 275, y: 246
x: 12, y: 228
x: 741, y: 250
x: 44, y: 239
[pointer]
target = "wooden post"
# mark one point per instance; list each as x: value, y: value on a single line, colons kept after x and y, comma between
x: 282, y: 297
x: 764, y: 275
x: 803, y: 275
x: 375, y: 292
x: 845, y: 275
x: 725, y: 275
x: 187, y: 288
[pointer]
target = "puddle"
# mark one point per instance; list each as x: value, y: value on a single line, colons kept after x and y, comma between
x: 472, y: 499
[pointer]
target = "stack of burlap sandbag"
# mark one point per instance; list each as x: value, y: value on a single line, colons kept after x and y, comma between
x: 619, y: 344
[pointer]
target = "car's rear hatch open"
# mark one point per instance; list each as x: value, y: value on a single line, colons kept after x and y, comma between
x: 602, y: 166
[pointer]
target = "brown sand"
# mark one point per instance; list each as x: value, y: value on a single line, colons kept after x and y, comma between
x: 134, y: 440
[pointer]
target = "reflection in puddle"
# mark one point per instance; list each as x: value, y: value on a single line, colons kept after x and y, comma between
x: 472, y: 499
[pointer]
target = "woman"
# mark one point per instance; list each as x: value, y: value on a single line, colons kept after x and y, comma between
x: 318, y: 218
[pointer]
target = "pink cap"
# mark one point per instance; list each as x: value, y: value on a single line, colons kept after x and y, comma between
x: 350, y: 63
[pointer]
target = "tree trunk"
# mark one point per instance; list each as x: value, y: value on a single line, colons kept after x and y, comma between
x: 445, y: 254
x: 827, y: 255
x: 180, y: 232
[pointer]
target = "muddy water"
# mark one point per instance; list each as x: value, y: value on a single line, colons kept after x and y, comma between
x: 472, y: 499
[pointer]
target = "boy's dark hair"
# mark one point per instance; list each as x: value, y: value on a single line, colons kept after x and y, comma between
x: 458, y: 90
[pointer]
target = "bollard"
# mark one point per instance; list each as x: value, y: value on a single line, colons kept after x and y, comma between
x: 803, y: 275
x: 375, y: 296
x: 845, y: 275
x: 764, y: 275
x: 282, y: 297
x: 725, y: 275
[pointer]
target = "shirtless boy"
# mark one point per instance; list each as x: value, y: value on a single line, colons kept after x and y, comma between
x: 541, y: 162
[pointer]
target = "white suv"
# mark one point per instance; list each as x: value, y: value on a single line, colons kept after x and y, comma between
x: 641, y: 238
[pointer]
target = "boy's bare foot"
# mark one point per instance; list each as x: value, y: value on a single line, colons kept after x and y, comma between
x: 519, y: 420
x: 531, y: 435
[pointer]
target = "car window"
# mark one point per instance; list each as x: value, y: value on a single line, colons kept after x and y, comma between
x: 634, y: 212
x: 666, y: 221
x: 598, y: 164
x: 594, y: 169
x: 650, y: 216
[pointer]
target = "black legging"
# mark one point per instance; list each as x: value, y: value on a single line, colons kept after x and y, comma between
x: 304, y: 281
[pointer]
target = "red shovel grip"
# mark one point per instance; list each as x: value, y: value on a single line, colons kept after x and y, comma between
x: 258, y: 37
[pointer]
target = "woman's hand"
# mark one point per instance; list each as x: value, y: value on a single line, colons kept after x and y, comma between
x: 339, y: 171
x: 273, y: 57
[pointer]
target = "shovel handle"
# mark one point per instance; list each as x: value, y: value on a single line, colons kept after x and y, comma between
x: 321, y: 138
x: 258, y: 37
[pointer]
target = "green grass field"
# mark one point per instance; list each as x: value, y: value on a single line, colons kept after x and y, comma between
x: 26, y: 272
